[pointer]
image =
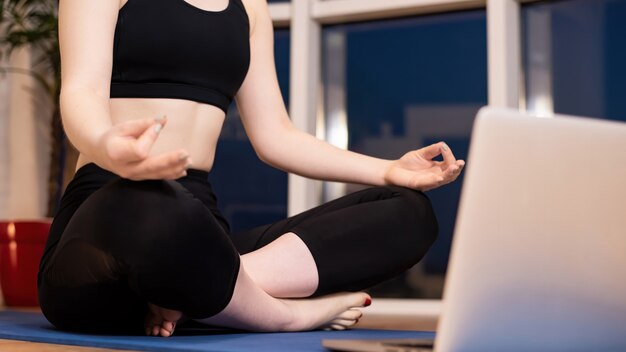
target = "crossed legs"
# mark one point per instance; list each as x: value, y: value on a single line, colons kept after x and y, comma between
x: 187, y: 262
x: 361, y: 239
x: 287, y: 269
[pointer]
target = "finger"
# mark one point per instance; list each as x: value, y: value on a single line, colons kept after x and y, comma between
x: 426, y: 182
x: 461, y: 165
x: 448, y: 157
x: 137, y: 127
x: 457, y: 167
x: 124, y: 144
x: 431, y: 151
x: 170, y: 165
x: 160, y: 175
x: 177, y: 169
x: 145, y: 142
x: 451, y: 172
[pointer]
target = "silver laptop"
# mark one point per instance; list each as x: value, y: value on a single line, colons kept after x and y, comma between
x: 538, y: 260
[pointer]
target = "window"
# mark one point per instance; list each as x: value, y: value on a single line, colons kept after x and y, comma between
x: 396, y: 85
x: 574, y: 57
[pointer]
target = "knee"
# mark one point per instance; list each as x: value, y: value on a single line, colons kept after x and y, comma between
x: 176, y: 240
x: 412, y: 207
x: 144, y: 197
x: 419, y: 226
x: 128, y: 214
x: 421, y: 211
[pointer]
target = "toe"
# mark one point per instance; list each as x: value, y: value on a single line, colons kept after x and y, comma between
x: 350, y: 314
x: 337, y: 327
x: 168, y: 325
x: 165, y: 333
x: 358, y: 300
x: 343, y: 322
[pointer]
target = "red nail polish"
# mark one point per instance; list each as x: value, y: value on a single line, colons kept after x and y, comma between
x: 368, y: 302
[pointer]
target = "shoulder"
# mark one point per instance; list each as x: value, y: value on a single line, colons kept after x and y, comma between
x: 120, y: 3
x: 257, y: 10
x: 110, y: 4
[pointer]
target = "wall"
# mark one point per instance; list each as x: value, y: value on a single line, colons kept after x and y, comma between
x: 24, y: 139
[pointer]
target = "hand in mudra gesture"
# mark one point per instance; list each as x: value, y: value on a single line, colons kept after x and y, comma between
x: 417, y: 170
x: 125, y: 150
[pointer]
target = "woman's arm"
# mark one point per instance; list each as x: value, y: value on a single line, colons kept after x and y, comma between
x: 279, y: 144
x: 86, y: 31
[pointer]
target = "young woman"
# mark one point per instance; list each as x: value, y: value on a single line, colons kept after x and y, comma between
x: 138, y: 241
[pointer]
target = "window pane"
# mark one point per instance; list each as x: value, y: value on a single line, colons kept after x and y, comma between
x: 574, y: 57
x: 250, y: 193
x: 402, y: 84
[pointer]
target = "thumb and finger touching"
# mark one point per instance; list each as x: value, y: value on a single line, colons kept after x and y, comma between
x: 431, y: 151
x: 128, y: 148
x: 136, y: 128
x: 442, y: 173
x: 146, y: 140
x: 132, y: 140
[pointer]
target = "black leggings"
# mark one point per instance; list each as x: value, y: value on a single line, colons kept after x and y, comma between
x: 117, y: 244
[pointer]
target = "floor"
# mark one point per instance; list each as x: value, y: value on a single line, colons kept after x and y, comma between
x: 390, y: 314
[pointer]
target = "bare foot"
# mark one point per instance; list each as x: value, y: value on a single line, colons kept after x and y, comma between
x: 160, y: 321
x: 251, y: 308
x: 338, y: 311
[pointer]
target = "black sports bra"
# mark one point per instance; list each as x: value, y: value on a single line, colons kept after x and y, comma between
x: 172, y: 49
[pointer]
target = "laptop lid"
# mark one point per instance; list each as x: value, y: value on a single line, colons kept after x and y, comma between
x: 538, y: 260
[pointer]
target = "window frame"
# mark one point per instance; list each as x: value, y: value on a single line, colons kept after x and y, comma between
x: 306, y: 18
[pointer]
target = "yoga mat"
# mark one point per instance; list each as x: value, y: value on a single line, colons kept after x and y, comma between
x: 34, y: 327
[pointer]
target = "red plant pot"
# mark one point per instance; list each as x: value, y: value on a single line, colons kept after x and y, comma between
x: 21, y: 248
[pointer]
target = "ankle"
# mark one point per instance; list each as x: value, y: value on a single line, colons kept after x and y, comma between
x: 295, y: 318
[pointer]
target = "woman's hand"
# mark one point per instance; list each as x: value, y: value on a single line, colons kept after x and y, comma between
x: 125, y: 150
x: 417, y: 170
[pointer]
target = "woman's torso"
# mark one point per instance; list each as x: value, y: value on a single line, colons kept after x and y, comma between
x: 191, y: 125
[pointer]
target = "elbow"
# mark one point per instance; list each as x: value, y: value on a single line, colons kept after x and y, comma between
x: 71, y: 92
x: 67, y: 99
x: 272, y: 146
x: 78, y: 98
x: 268, y: 151
x: 265, y: 156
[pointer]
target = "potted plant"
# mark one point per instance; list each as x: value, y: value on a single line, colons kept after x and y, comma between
x: 33, y: 24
